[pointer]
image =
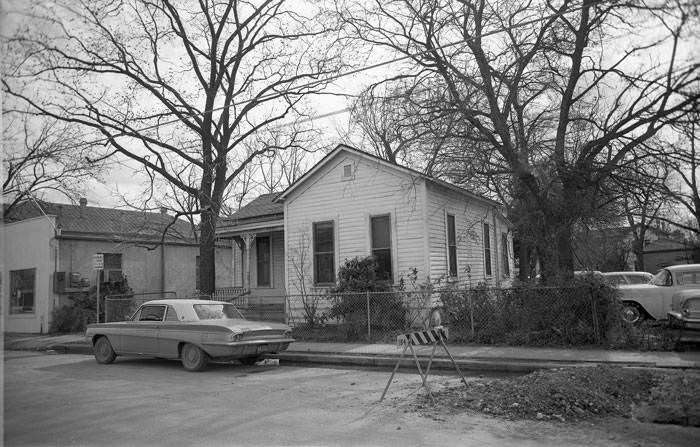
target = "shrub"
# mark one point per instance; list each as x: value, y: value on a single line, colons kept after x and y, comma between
x: 357, y: 285
x: 82, y: 310
x: 580, y: 312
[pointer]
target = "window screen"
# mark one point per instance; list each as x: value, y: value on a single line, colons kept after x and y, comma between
x: 381, y: 246
x: 451, y: 246
x: 324, y: 253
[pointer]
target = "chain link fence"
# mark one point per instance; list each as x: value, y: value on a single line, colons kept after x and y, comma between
x: 544, y: 316
x: 516, y: 316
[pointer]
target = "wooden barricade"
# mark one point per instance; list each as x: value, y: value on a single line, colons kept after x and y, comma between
x: 434, y: 336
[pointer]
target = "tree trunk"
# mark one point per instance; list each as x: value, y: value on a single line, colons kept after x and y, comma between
x: 207, y: 261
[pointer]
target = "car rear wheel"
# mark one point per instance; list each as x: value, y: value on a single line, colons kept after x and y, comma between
x: 103, y: 351
x: 193, y: 358
x: 631, y: 313
x: 249, y: 360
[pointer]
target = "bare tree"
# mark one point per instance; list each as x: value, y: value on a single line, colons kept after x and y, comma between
x: 44, y: 156
x: 562, y: 91
x: 681, y: 157
x: 174, y: 85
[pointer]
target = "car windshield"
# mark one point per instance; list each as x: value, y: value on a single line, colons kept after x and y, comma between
x: 663, y: 278
x: 216, y: 311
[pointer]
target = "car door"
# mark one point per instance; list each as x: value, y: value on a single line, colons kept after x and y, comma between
x: 666, y: 286
x: 141, y: 334
x: 170, y: 334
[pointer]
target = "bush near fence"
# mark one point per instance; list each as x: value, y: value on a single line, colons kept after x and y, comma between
x: 585, y: 312
x: 576, y: 315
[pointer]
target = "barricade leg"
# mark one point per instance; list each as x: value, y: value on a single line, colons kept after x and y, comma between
x: 398, y: 362
x: 444, y: 346
x: 430, y: 362
x: 424, y: 378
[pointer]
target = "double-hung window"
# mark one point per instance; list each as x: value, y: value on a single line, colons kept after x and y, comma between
x: 451, y: 246
x: 381, y: 246
x: 504, y: 249
x: 324, y: 253
x: 487, y: 250
x: 264, y: 261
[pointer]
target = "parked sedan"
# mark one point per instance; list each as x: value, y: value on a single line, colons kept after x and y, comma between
x: 193, y: 331
x: 654, y: 300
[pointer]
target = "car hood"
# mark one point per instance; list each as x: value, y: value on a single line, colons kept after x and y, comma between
x: 639, y: 289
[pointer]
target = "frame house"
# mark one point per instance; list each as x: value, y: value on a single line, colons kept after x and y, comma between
x: 352, y: 203
x: 48, y: 251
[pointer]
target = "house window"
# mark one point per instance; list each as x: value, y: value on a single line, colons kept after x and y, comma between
x: 324, y: 253
x: 504, y: 248
x: 22, y: 291
x: 264, y: 261
x: 381, y: 246
x: 112, y: 270
x: 487, y: 250
x: 451, y: 246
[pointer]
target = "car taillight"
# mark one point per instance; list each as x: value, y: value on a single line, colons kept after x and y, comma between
x: 234, y: 337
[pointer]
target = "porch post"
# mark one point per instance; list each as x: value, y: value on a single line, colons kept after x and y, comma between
x: 248, y: 239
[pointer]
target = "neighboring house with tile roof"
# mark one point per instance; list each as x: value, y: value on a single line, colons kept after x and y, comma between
x: 352, y: 203
x: 48, y: 251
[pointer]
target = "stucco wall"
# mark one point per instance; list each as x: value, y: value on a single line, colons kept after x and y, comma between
x: 27, y: 245
x: 142, y: 264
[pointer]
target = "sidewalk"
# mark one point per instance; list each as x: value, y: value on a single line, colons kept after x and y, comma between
x: 474, y: 358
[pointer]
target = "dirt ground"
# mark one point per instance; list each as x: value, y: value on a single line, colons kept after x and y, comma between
x: 573, y: 406
x: 71, y: 400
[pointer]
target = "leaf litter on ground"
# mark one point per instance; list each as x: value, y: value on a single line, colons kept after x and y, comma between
x: 572, y: 393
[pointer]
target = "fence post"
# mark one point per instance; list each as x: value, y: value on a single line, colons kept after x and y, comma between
x: 369, y: 321
x: 471, y: 311
x: 596, y: 322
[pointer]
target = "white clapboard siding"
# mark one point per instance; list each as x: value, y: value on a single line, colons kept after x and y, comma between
x: 470, y: 215
x: 373, y: 189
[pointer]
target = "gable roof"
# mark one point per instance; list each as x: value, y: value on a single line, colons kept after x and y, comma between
x: 262, y: 208
x: 83, y: 220
x: 345, y: 148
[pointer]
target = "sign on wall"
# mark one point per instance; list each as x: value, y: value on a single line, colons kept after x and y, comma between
x: 98, y: 261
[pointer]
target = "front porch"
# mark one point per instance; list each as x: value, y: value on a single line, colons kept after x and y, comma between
x: 256, y: 233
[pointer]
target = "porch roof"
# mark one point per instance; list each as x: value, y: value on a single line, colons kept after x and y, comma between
x: 263, y: 213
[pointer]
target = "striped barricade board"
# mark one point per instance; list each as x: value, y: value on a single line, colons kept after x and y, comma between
x: 426, y: 337
x: 436, y: 336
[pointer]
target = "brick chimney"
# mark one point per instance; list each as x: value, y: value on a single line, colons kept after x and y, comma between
x: 163, y: 210
x: 83, y: 204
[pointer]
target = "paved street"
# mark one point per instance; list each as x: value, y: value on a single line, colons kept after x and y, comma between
x: 71, y: 400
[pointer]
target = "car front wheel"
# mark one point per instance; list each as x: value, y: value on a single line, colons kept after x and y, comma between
x: 193, y: 358
x: 103, y: 351
x: 631, y: 313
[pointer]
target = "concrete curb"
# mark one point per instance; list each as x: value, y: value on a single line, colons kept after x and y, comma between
x: 506, y: 365
x: 468, y: 364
